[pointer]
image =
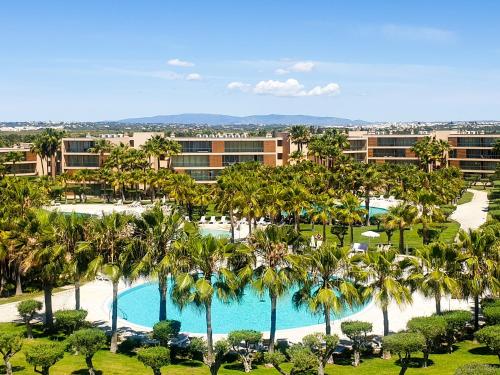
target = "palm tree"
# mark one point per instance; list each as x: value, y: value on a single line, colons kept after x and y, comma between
x: 14, y: 157
x: 351, y: 212
x: 160, y: 146
x: 38, y: 147
x: 100, y: 146
x: 480, y: 272
x: 400, y: 217
x: 383, y: 277
x: 324, y: 210
x: 209, y: 273
x: 158, y: 234
x: 296, y: 201
x: 300, y: 135
x: 435, y: 271
x: 109, y: 241
x: 327, y: 287
x: 273, y: 274
x: 427, y: 201
x: 371, y: 180
x: 49, y: 143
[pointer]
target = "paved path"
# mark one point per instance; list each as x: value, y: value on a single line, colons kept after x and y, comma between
x: 473, y: 214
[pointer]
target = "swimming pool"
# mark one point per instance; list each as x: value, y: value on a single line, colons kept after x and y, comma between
x: 140, y: 305
x: 215, y: 232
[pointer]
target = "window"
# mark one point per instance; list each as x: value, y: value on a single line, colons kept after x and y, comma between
x: 82, y: 160
x: 190, y: 161
x: 78, y: 146
x: 280, y: 156
x: 476, y: 141
x: 233, y: 159
x: 131, y: 143
x: 389, y: 153
x: 204, y: 174
x: 397, y: 142
x: 243, y: 146
x: 21, y: 168
x: 196, y: 146
x: 481, y: 154
x: 478, y: 165
x: 357, y: 145
x: 280, y: 142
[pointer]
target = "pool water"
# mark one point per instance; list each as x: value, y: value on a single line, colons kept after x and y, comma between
x: 215, y: 232
x: 140, y: 305
x: 376, y: 210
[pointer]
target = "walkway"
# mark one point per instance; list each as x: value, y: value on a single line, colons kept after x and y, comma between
x: 473, y: 214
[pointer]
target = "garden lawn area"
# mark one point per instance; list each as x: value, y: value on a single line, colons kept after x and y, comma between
x: 494, y: 197
x: 412, y: 239
x: 26, y: 295
x: 466, y: 197
x: 124, y: 364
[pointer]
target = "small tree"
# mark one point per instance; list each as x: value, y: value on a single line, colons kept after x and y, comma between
x: 302, y: 359
x: 155, y: 357
x: 70, y: 320
x: 27, y: 310
x: 10, y: 344
x: 247, y: 338
x: 87, y: 342
x: 212, y: 360
x: 476, y: 369
x: 492, y: 313
x: 455, y: 325
x: 322, y: 347
x: 490, y: 336
x: 356, y: 331
x: 431, y: 328
x: 166, y: 330
x: 404, y: 344
x: 44, y: 355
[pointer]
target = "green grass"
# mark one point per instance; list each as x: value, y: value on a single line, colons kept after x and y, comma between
x: 412, y: 239
x: 123, y: 364
x: 494, y: 197
x: 466, y: 197
x: 25, y: 296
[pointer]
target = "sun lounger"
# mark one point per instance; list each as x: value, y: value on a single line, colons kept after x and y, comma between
x: 212, y: 220
x: 223, y: 220
x: 244, y: 221
x: 203, y: 220
x: 119, y: 202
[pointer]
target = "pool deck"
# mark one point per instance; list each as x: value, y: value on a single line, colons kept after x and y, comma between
x: 96, y: 295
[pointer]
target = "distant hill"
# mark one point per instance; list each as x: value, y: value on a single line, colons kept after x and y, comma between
x: 215, y: 119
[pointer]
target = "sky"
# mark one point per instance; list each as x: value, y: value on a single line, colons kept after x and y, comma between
x: 371, y: 60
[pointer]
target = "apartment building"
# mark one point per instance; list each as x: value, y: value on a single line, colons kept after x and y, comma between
x: 28, y: 165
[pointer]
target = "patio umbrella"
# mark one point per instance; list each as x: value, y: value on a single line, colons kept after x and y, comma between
x: 370, y: 234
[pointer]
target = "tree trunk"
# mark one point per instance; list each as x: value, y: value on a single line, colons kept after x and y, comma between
x: 328, y: 325
x: 231, y: 220
x: 19, y: 288
x: 272, y: 332
x: 351, y: 230
x: 438, y: 303
x: 249, y: 226
x: 8, y: 366
x: 324, y: 232
x: 208, y: 319
x: 162, y: 287
x: 321, y: 368
x: 47, y: 294
x: 114, y: 319
x: 156, y: 371
x: 357, y: 357
x: 401, y: 240
x: 158, y: 162
x: 77, y: 293
x: 29, y: 329
x: 53, y: 166
x: 90, y: 365
x: 247, y: 365
x: 385, y: 315
x: 367, y: 208
x: 476, y: 313
x: 297, y: 222
x: 426, y: 357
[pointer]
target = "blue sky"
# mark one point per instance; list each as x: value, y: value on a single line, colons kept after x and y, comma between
x: 371, y: 60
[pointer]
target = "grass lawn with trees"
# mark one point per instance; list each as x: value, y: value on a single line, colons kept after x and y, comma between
x: 126, y: 363
x: 466, y: 197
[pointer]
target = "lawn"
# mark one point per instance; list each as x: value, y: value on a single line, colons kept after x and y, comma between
x: 26, y: 295
x: 123, y: 364
x: 494, y: 197
x: 466, y: 197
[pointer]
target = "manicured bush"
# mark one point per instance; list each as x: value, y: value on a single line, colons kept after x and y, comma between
x: 404, y: 344
x: 247, y: 338
x: 492, y: 314
x: 431, y: 328
x: 356, y: 331
x: 10, y: 344
x: 166, y: 330
x: 476, y: 369
x: 490, y: 336
x: 321, y: 346
x: 70, y: 320
x: 456, y: 321
x: 87, y: 342
x: 154, y: 357
x: 27, y: 310
x: 44, y: 355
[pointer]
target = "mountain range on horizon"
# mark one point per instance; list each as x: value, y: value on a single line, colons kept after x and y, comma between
x: 218, y: 119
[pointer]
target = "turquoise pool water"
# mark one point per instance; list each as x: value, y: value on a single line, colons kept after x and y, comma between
x: 140, y: 305
x: 215, y: 232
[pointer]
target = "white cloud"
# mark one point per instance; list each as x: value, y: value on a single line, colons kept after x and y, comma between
x: 193, y: 77
x: 298, y: 67
x: 418, y: 33
x: 289, y: 88
x: 180, y: 63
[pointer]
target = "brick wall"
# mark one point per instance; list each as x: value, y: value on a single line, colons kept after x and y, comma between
x: 215, y: 160
x: 217, y: 146
x: 270, y: 146
x: 270, y: 160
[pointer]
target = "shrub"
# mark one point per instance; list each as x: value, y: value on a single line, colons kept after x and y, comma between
x: 27, y: 310
x: 70, y: 320
x: 166, y: 330
x: 490, y: 336
x: 476, y: 369
x: 10, y: 344
x: 154, y: 357
x: 87, y: 342
x: 44, y: 355
x: 321, y: 346
x: 356, y: 331
x: 456, y: 321
x: 404, y: 344
x: 247, y: 337
x: 492, y: 314
x: 431, y: 328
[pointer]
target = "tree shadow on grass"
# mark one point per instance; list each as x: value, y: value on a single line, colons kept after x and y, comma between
x: 188, y: 363
x: 416, y: 363
x: 85, y: 371
x: 14, y: 369
x: 481, y: 350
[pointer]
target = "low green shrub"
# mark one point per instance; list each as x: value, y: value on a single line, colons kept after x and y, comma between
x: 70, y: 320
x: 492, y: 314
x: 155, y: 357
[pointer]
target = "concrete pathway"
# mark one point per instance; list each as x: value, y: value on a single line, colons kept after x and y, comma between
x: 473, y: 214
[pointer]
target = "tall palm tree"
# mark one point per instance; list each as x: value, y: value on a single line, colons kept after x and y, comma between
x: 109, y: 241
x: 480, y: 272
x: 273, y: 273
x: 209, y: 273
x: 100, y: 146
x: 327, y: 287
x: 435, y: 271
x: 296, y: 201
x: 14, y: 157
x: 157, y: 233
x: 400, y: 217
x: 427, y: 201
x: 50, y: 140
x: 39, y: 148
x: 371, y: 180
x: 300, y: 135
x: 383, y: 277
x: 324, y: 210
x: 351, y: 212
